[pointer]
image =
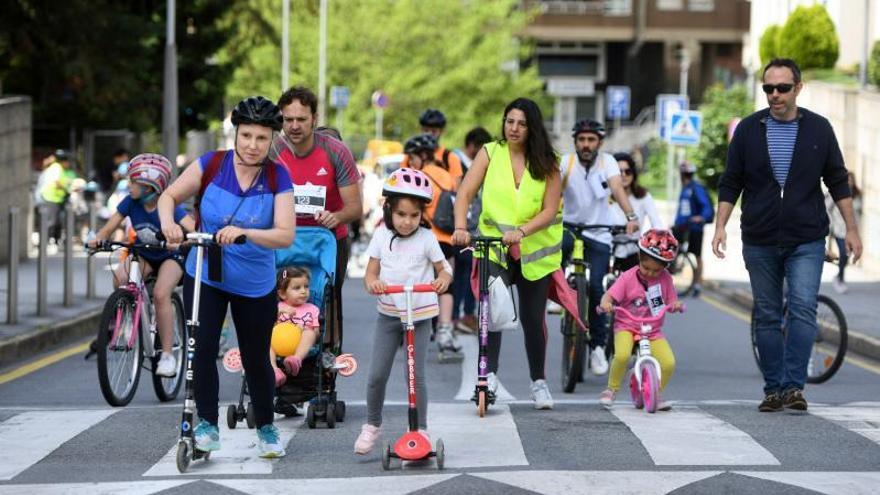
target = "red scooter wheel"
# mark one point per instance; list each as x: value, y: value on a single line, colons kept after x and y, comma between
x: 412, y: 446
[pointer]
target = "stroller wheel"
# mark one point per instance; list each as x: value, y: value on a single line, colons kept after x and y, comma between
x: 310, y: 417
x: 231, y: 419
x: 340, y: 411
x: 330, y: 415
x: 250, y: 416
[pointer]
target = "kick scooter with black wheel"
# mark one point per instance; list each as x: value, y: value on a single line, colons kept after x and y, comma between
x: 186, y: 448
x: 412, y: 445
x: 483, y: 397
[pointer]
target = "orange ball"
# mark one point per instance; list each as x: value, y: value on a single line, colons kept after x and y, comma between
x: 285, y: 338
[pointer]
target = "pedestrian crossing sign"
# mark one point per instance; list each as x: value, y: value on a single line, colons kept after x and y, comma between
x: 685, y: 128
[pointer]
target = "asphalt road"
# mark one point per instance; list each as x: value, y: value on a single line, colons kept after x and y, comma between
x: 57, y: 435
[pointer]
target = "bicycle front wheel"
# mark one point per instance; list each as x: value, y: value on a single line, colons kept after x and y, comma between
x: 829, y: 349
x: 683, y: 270
x: 167, y: 388
x: 574, y: 341
x: 119, y: 356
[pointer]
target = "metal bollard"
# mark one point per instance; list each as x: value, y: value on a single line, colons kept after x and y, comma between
x: 90, y: 261
x: 12, y: 274
x: 68, y: 255
x: 41, y: 263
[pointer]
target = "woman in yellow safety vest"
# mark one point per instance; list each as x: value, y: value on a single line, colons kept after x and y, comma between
x: 519, y: 175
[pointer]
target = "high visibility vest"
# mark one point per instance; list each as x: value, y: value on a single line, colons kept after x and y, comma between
x: 505, y: 208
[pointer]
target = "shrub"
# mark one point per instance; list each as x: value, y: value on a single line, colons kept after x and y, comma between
x: 768, y: 47
x: 874, y: 65
x: 809, y: 38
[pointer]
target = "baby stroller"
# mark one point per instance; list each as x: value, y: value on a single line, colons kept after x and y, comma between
x: 314, y: 249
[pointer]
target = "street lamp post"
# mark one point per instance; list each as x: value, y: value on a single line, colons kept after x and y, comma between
x: 322, y: 64
x: 170, y: 133
x: 285, y: 45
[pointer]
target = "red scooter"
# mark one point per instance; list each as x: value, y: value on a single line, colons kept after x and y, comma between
x: 413, y: 445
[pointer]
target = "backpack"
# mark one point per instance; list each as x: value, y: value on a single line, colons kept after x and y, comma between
x: 444, y: 213
x: 211, y: 171
x: 695, y: 202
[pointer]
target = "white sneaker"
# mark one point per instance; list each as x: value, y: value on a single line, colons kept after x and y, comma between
x: 553, y: 308
x: 493, y: 381
x: 839, y: 286
x: 541, y: 395
x: 598, y: 363
x: 167, y: 366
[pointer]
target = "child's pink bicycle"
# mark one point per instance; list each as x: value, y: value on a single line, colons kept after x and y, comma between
x: 644, y: 377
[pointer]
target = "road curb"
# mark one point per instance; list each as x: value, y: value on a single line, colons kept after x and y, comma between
x: 45, y: 336
x: 858, y: 342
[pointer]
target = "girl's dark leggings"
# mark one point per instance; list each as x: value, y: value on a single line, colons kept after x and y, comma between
x: 254, y: 318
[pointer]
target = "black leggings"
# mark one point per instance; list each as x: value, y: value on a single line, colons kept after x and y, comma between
x: 254, y: 318
x: 532, y: 305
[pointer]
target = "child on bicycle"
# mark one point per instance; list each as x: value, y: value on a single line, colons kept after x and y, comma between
x: 294, y: 307
x: 402, y: 251
x: 643, y: 290
x: 148, y: 176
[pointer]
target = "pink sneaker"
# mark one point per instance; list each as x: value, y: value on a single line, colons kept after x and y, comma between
x: 280, y: 377
x: 292, y: 364
x: 366, y: 440
x: 606, y: 398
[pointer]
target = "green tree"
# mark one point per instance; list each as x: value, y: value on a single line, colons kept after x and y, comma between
x: 874, y: 64
x: 421, y: 53
x: 720, y: 106
x: 809, y: 38
x: 768, y: 47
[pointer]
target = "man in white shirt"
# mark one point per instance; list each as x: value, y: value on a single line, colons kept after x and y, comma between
x: 589, y: 177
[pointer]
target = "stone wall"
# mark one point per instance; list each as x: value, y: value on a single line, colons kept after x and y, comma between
x: 15, y: 174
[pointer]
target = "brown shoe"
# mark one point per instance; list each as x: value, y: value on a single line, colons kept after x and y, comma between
x: 794, y: 399
x: 467, y: 324
x: 772, y: 403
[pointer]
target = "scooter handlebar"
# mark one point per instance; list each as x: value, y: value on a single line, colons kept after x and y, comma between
x: 203, y: 237
x: 397, y: 289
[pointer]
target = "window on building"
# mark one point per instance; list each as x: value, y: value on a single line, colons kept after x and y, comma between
x: 670, y: 4
x: 701, y: 5
x: 567, y: 65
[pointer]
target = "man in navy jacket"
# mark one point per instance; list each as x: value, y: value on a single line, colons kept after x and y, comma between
x: 776, y: 160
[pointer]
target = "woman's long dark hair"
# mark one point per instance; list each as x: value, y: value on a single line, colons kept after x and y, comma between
x: 541, y: 159
x: 637, y: 190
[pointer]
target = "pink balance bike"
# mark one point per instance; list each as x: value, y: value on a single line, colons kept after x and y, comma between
x: 413, y: 445
x: 644, y: 377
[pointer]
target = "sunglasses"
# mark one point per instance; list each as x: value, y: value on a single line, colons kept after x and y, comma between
x: 781, y: 88
x: 626, y: 171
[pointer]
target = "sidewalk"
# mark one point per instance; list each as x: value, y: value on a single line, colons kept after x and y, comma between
x: 33, y: 334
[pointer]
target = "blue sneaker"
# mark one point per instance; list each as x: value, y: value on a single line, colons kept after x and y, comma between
x: 270, y: 442
x: 206, y: 436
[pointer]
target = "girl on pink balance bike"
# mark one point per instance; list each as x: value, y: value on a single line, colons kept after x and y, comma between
x: 640, y: 297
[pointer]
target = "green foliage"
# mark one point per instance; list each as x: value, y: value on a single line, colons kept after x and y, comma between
x: 99, y: 63
x: 421, y: 53
x: 719, y: 107
x: 768, y: 47
x: 874, y: 65
x: 809, y: 38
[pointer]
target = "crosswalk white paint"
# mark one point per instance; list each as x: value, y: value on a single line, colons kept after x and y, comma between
x: 28, y: 437
x: 688, y: 436
x: 861, y: 419
x: 386, y: 485
x: 471, y: 441
x: 239, y: 453
x: 597, y: 482
x: 470, y: 348
x: 128, y: 488
x: 831, y: 483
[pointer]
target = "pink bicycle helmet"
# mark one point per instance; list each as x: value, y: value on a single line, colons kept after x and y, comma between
x: 150, y: 169
x: 408, y: 182
x: 659, y: 244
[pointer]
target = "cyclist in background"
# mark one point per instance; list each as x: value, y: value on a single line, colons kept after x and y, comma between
x: 694, y: 212
x: 434, y: 122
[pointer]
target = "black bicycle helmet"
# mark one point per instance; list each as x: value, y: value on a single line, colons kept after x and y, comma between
x: 257, y: 110
x: 421, y: 142
x: 588, y: 125
x: 432, y: 118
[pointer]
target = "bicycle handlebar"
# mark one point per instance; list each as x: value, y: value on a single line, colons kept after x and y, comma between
x: 397, y: 289
x: 650, y: 319
x: 111, y: 245
x: 481, y: 239
x: 580, y: 227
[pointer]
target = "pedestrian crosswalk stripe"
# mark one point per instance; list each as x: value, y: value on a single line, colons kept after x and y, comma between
x: 471, y: 441
x: 688, y: 436
x: 28, y: 437
x: 597, y: 482
x: 470, y: 349
x: 127, y: 487
x: 831, y: 483
x: 239, y: 453
x: 864, y: 420
x: 385, y: 485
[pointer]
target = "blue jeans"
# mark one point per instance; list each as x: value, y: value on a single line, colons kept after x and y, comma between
x: 598, y: 255
x: 784, y: 360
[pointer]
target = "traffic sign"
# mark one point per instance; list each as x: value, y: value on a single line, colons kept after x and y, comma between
x: 339, y: 96
x: 618, y: 102
x: 666, y: 105
x: 380, y: 99
x: 685, y: 128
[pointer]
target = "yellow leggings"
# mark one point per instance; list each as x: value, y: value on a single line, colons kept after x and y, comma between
x: 623, y: 345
